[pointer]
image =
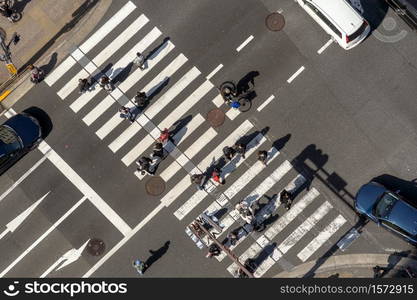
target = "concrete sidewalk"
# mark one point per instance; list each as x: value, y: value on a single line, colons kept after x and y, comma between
x: 352, y: 266
x: 48, y: 30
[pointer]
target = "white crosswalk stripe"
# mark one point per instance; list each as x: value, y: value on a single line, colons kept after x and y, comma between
x: 89, y: 44
x: 321, y: 238
x: 117, y: 68
x: 92, y: 66
x: 182, y: 96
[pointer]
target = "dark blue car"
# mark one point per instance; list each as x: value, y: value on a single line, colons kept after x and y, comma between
x: 18, y: 135
x: 388, y: 209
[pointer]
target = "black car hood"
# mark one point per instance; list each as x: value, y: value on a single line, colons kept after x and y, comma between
x: 26, y: 128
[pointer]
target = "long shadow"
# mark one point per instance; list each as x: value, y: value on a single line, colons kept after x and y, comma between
x: 154, y: 52
x: 76, y: 17
x: 51, y: 64
x: 178, y: 125
x: 374, y: 11
x: 360, y: 224
x: 157, y: 254
x: 247, y: 138
x: 122, y: 74
x: 264, y: 253
x: 281, y: 142
x: 43, y: 118
x: 157, y: 88
x: 19, y: 5
x: 243, y: 84
x: 318, y: 159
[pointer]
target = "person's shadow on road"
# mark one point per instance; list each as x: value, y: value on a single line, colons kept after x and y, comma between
x: 157, y: 254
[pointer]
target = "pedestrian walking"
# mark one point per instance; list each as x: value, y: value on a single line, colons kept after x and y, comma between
x: 165, y: 136
x: 262, y: 156
x: 140, y: 266
x: 83, y: 85
x: 229, y: 152
x: 36, y: 74
x: 214, y: 250
x: 158, y: 150
x: 155, y: 160
x: 105, y: 83
x: 245, y: 212
x: 197, y: 179
x: 141, y: 99
x: 126, y: 113
x: 285, y: 198
x: 232, y: 238
x: 241, y: 149
x: 144, y: 164
x: 215, y: 175
x: 140, y: 60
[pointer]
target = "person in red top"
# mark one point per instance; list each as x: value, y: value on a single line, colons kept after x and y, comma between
x: 165, y: 136
x: 216, y: 176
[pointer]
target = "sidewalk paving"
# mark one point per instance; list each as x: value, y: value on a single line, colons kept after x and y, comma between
x: 352, y: 266
x: 48, y: 30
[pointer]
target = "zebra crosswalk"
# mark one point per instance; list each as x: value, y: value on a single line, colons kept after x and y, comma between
x: 170, y: 79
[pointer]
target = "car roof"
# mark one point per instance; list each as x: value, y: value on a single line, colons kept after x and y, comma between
x: 342, y: 14
x: 404, y: 216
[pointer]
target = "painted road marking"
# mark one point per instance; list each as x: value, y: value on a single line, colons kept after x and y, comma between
x: 217, y: 69
x: 321, y: 238
x: 188, y: 154
x: 174, y: 66
x: 91, y: 42
x: 23, y: 177
x: 329, y: 42
x: 305, y: 227
x: 290, y: 215
x: 117, y: 68
x: 84, y: 188
x: 266, y: 102
x: 250, y: 38
x: 218, y: 100
x: 124, y: 240
x: 43, y: 236
x: 16, y: 222
x: 296, y: 74
x: 104, y: 55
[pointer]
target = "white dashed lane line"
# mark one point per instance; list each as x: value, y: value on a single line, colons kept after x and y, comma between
x: 238, y: 49
x: 296, y: 74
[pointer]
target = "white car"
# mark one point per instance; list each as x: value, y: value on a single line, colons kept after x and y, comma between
x: 344, y: 24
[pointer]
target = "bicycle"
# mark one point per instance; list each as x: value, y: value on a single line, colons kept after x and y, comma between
x: 228, y: 90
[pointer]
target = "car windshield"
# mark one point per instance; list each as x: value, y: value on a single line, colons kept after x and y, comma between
x: 384, y: 206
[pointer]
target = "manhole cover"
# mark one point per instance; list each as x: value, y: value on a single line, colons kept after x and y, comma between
x: 275, y: 21
x: 155, y: 186
x: 216, y: 117
x: 96, y: 247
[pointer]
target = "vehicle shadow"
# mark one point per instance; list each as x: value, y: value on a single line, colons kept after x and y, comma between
x: 43, y: 118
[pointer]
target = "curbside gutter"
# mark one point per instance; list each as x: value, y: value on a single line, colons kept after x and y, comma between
x: 340, y: 263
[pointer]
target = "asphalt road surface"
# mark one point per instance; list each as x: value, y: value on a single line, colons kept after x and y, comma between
x: 331, y: 120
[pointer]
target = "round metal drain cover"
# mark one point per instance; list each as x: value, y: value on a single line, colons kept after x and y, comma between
x: 96, y: 247
x: 155, y: 186
x: 216, y: 117
x: 275, y: 21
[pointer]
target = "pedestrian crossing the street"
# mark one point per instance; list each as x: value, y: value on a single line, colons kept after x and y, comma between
x: 170, y: 79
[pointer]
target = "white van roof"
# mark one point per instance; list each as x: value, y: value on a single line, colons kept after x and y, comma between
x: 344, y: 15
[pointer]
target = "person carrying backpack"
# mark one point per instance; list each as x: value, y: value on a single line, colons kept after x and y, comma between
x: 241, y: 149
x: 197, y: 179
x: 144, y: 164
x: 262, y: 156
x: 104, y: 82
x: 165, y: 136
x: 285, y: 198
x: 229, y: 152
x: 140, y: 60
x: 141, y: 99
